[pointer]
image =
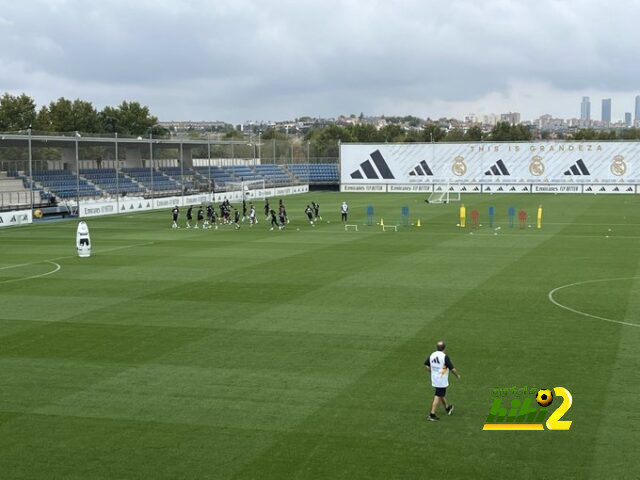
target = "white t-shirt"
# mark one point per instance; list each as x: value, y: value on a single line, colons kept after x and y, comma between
x: 440, y: 367
x: 344, y: 208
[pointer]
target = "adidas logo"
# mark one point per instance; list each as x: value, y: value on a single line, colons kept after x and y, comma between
x: 421, y: 169
x: 498, y: 169
x: 578, y: 168
x: 369, y: 172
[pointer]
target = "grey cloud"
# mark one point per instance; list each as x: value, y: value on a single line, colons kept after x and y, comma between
x: 246, y: 59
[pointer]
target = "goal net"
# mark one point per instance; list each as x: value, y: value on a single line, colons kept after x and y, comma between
x: 251, y: 189
x: 445, y: 195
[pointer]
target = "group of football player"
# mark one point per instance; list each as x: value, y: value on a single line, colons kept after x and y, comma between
x: 206, y: 217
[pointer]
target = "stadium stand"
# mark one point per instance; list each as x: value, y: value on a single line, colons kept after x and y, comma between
x: 219, y: 176
x: 160, y: 182
x: 273, y: 174
x: 182, y: 178
x: 242, y: 172
x: 107, y: 181
x: 315, y: 173
x: 15, y: 191
x: 63, y: 184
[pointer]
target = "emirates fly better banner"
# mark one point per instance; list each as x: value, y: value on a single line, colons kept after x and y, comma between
x: 421, y: 166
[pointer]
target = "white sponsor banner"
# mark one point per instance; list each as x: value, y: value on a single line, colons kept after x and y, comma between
x: 459, y: 187
x: 17, y: 217
x: 363, y: 188
x: 490, y: 163
x: 556, y: 188
x: 614, y: 189
x: 139, y: 204
x: 416, y: 188
x: 507, y: 188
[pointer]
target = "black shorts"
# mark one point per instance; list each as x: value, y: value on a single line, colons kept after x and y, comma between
x: 441, y: 391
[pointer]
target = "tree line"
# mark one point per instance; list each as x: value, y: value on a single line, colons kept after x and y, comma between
x: 19, y: 113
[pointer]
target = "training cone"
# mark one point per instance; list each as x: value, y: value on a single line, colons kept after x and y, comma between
x: 418, y: 224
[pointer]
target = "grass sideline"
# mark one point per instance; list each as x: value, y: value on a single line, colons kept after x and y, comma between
x: 298, y: 353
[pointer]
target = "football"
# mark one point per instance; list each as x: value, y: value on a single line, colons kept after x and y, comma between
x: 544, y: 397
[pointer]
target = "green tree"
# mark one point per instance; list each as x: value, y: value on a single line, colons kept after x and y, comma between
x: 129, y: 118
x: 473, y: 134
x: 63, y: 115
x: 273, y: 134
x: 432, y: 132
x: 455, y: 135
x: 392, y: 133
x: 16, y: 112
x: 324, y: 141
x: 505, y: 132
x: 233, y: 135
x: 585, y: 134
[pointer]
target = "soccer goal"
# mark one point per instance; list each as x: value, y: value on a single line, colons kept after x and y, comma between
x: 446, y: 194
x: 251, y: 189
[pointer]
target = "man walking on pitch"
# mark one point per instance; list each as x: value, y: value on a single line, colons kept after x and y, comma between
x: 440, y: 365
x: 344, y: 210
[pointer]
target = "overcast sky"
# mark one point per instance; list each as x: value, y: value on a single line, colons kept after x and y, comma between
x: 238, y: 60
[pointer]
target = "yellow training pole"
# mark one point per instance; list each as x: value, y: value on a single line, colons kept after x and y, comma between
x: 540, y: 216
x: 463, y: 216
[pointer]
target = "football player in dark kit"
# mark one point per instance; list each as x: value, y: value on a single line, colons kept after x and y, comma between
x: 274, y: 220
x: 309, y: 212
x: 316, y: 210
x: 267, y: 209
x: 244, y: 209
x: 282, y: 213
x: 283, y: 210
x: 214, y: 220
x: 236, y: 218
x: 222, y: 212
x: 174, y: 214
x: 189, y: 216
x: 200, y: 216
x: 210, y: 215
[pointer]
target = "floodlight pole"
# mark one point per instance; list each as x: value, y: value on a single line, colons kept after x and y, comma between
x: 259, y: 146
x: 30, y: 169
x: 77, y: 176
x: 117, y: 176
x: 151, y: 165
x: 209, y: 159
x: 182, y: 172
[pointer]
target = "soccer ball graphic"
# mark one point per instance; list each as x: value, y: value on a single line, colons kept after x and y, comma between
x: 544, y: 397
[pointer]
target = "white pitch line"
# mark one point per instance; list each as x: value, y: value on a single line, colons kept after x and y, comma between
x: 72, y: 256
x: 605, y: 319
x: 58, y: 267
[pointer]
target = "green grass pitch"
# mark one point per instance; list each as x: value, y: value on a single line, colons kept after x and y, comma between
x: 299, y: 353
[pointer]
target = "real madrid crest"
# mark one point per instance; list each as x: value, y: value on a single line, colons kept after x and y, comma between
x: 618, y: 166
x: 536, y: 167
x: 459, y: 168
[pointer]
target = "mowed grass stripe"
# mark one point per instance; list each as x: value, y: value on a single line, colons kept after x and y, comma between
x: 349, y: 380
x: 385, y: 407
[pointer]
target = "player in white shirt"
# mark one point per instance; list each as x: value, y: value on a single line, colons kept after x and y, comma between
x: 439, y: 364
x: 252, y: 215
x: 344, y: 210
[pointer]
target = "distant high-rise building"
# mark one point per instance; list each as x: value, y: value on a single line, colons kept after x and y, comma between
x: 585, y: 109
x: 512, y: 117
x: 627, y: 119
x: 606, y: 111
x: 637, y: 118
